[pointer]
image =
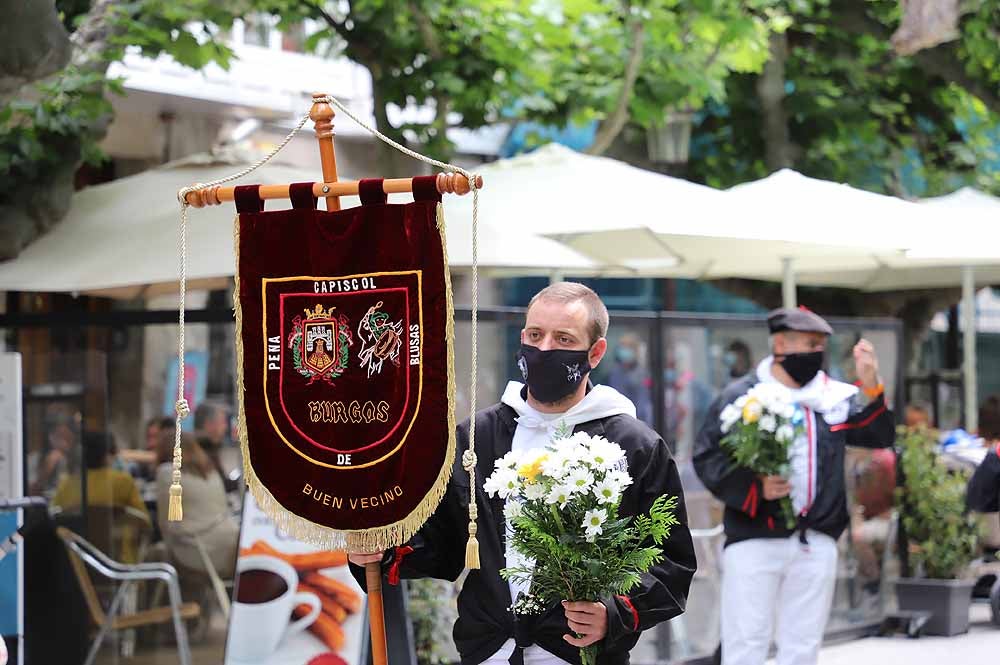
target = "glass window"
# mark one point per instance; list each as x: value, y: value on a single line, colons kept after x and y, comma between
x: 293, y: 37
x: 257, y: 30
x: 122, y: 380
x: 98, y: 443
x: 627, y: 366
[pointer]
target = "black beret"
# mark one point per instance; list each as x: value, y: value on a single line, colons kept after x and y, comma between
x: 800, y: 320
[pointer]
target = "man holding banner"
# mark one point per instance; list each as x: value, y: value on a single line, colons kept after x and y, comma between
x: 562, y: 342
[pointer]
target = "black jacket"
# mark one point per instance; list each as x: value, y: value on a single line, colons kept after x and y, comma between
x: 484, y: 619
x: 747, y: 514
x: 983, y: 490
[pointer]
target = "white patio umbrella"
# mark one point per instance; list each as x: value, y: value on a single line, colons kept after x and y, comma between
x: 786, y: 227
x: 959, y: 244
x: 810, y: 210
x: 971, y: 241
x: 949, y: 240
x: 121, y: 238
x: 634, y: 222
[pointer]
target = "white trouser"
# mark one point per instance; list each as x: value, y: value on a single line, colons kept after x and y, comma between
x: 533, y: 655
x: 777, y: 586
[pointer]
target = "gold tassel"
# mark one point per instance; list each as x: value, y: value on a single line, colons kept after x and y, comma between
x: 472, y: 549
x: 175, y: 513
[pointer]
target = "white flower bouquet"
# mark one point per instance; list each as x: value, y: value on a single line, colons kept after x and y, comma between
x: 759, y: 429
x: 562, y: 505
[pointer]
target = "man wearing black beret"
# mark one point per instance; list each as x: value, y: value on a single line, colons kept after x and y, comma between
x: 779, y: 581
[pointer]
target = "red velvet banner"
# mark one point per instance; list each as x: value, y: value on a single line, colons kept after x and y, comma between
x: 345, y: 328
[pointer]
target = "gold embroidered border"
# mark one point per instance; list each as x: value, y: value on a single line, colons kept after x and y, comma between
x: 363, y: 540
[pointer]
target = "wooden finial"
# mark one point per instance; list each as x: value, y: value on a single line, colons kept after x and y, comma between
x: 212, y: 196
x: 456, y: 183
x: 205, y: 196
x: 322, y: 115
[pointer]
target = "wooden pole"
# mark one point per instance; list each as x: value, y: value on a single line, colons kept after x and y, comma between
x: 376, y: 617
x: 322, y: 116
x: 331, y: 189
x: 447, y: 183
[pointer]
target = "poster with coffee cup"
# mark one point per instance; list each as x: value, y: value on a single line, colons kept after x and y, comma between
x: 293, y: 604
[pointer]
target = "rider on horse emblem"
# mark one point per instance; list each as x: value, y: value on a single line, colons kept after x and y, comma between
x: 380, y: 339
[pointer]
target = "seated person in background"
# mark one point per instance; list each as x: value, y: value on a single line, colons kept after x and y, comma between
x: 876, y: 481
x: 141, y: 461
x: 147, y: 458
x: 105, y: 486
x: 46, y: 468
x: 115, y: 457
x: 207, y: 516
x: 917, y: 415
x: 630, y: 378
x: 983, y: 491
x: 154, y: 428
x: 212, y: 427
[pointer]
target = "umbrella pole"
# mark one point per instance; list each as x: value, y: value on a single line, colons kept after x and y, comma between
x: 788, y: 297
x: 971, y: 386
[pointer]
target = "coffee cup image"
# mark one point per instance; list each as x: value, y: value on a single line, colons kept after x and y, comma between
x: 261, y: 613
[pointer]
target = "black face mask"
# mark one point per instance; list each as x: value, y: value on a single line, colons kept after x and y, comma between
x: 552, y: 375
x: 802, y: 367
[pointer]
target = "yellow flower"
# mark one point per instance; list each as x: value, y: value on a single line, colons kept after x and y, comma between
x: 530, y: 470
x: 752, y: 411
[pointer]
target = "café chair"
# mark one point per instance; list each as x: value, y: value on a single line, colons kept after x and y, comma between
x: 220, y: 587
x: 83, y: 554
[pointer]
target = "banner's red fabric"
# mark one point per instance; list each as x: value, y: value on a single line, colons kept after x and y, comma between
x: 344, y: 326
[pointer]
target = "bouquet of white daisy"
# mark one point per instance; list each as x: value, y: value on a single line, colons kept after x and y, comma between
x: 562, y: 504
x: 759, y: 428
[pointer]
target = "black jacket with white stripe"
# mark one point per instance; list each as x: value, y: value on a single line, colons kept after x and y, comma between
x: 747, y: 514
x: 485, y: 621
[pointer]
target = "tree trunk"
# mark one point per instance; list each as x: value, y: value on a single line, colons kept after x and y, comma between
x: 942, y: 61
x: 780, y: 151
x: 33, y: 43
x: 442, y: 103
x: 925, y: 24
x: 387, y: 158
x: 90, y: 40
x: 42, y: 206
x: 612, y: 126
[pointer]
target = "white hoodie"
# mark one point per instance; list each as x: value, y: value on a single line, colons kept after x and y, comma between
x: 535, y: 430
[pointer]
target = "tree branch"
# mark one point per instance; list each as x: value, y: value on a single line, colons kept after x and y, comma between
x: 33, y: 44
x: 426, y: 30
x: 45, y: 201
x: 942, y: 61
x: 90, y: 40
x: 441, y: 101
x: 328, y: 18
x: 612, y: 125
x: 363, y: 51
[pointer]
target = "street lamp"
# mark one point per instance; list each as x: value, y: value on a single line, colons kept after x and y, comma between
x: 669, y: 142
